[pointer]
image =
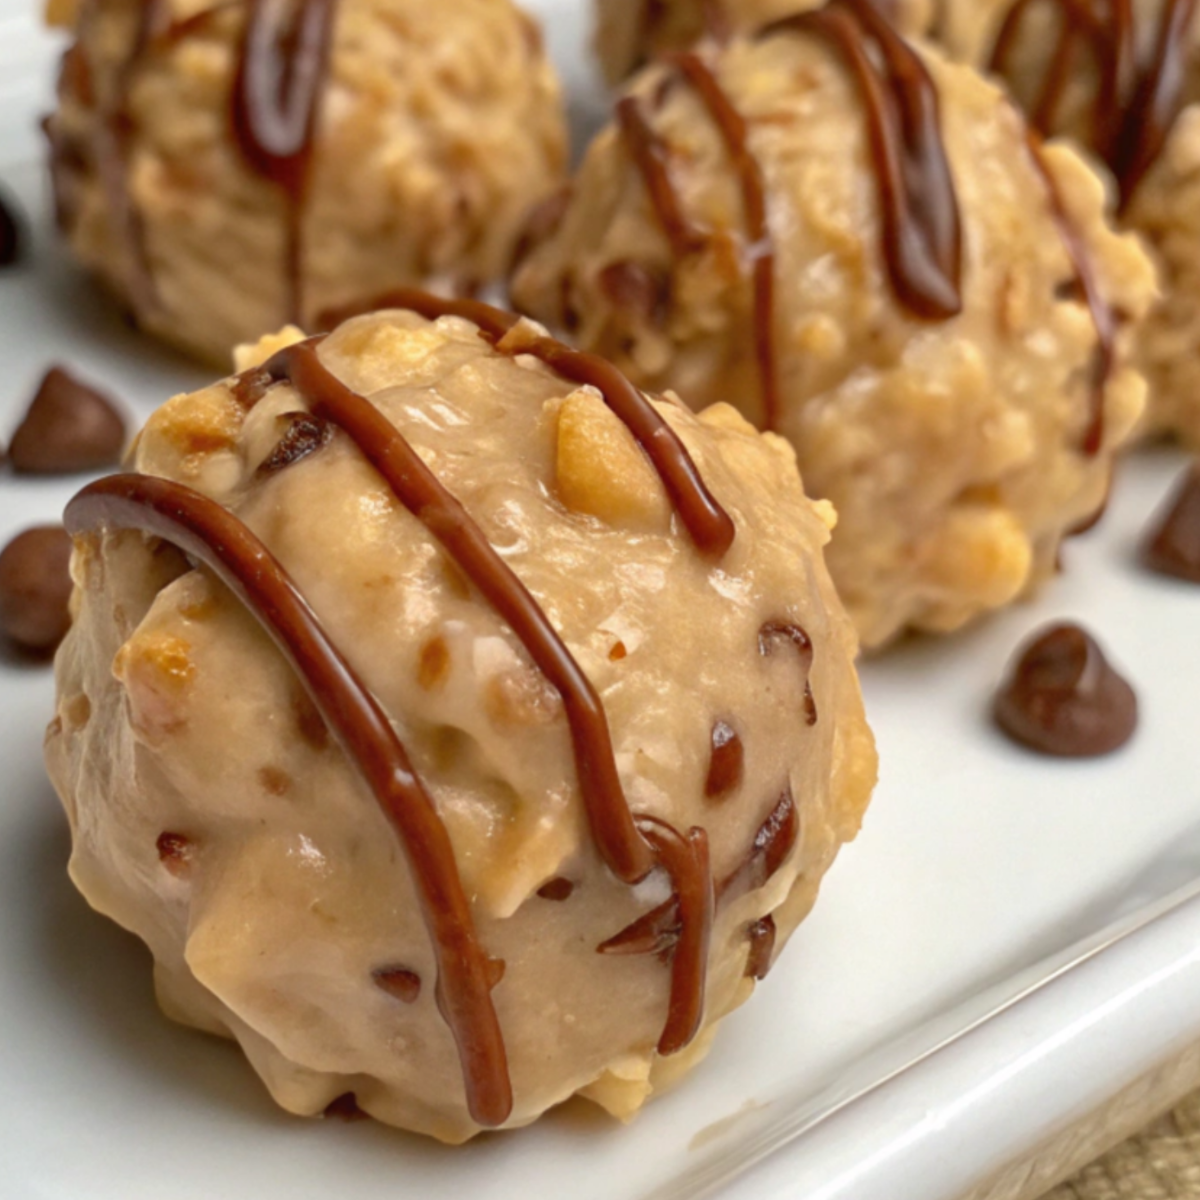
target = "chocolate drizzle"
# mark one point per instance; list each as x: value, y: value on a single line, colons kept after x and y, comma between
x: 922, y: 225
x: 632, y: 844
x: 760, y: 246
x: 202, y: 528
x: 652, y: 157
x: 1103, y: 317
x: 658, y: 931
x: 685, y: 860
x: 278, y: 85
x: 1136, y: 102
x: 418, y: 489
x: 709, y: 525
x: 923, y: 241
x: 279, y: 79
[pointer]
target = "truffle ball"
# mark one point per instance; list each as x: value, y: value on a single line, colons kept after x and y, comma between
x: 227, y: 167
x: 629, y: 33
x: 459, y: 728
x: 1130, y: 93
x: 859, y: 245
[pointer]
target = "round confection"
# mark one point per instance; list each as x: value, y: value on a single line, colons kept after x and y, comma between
x: 227, y: 167
x: 860, y: 245
x: 629, y: 33
x: 1125, y: 82
x: 460, y: 729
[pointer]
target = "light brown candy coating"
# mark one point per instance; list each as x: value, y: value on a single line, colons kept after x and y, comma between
x: 182, y: 682
x: 954, y: 449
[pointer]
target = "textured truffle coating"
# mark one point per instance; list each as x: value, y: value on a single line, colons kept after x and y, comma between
x: 1164, y: 209
x: 631, y: 32
x: 952, y: 449
x: 213, y: 816
x: 438, y: 126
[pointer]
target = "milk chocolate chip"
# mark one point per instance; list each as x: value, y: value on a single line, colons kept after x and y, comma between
x: 1063, y: 698
x: 1173, y: 544
x: 35, y: 587
x: 10, y: 234
x: 68, y: 427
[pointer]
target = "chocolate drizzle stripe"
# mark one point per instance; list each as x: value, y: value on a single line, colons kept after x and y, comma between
x: 1136, y: 104
x: 921, y: 218
x: 657, y: 931
x: 651, y: 156
x: 215, y: 537
x: 1102, y: 314
x: 280, y: 79
x: 922, y: 224
x: 708, y: 524
x: 1156, y: 102
x: 418, y: 489
x: 761, y: 249
x: 685, y: 860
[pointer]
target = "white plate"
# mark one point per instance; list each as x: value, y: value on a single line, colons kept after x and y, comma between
x: 980, y: 873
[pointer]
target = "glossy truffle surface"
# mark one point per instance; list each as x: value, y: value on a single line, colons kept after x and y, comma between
x: 232, y: 814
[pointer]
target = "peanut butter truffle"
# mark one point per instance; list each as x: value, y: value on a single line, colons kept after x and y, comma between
x: 629, y: 33
x: 861, y: 246
x: 460, y: 728
x: 1124, y: 80
x: 227, y: 167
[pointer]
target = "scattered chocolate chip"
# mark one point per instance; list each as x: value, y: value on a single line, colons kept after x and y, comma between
x: 727, y: 761
x: 345, y: 1108
x: 774, y: 841
x: 635, y: 290
x: 251, y: 386
x: 775, y: 633
x: 274, y: 780
x: 541, y: 223
x: 558, y: 889
x: 35, y: 588
x: 11, y: 234
x: 175, y: 853
x: 655, y: 932
x: 761, y: 936
x: 433, y: 663
x: 1063, y: 698
x: 309, y: 722
x: 617, y: 652
x: 399, y: 982
x: 68, y: 427
x: 1173, y: 544
x: 305, y: 435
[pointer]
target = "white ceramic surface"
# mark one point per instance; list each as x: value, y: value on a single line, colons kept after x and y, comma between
x: 981, y: 870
